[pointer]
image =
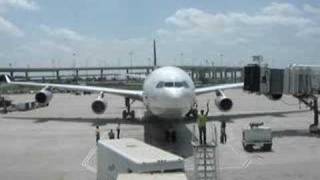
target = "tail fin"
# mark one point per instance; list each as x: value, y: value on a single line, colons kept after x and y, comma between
x: 5, y: 79
x: 154, y: 54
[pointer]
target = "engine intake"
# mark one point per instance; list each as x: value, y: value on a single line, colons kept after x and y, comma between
x: 43, y: 97
x: 99, y: 105
x: 222, y: 102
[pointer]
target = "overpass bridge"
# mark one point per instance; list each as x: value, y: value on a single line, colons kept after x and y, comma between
x: 198, y: 73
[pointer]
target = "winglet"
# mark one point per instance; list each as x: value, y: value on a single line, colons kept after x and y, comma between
x: 5, y: 78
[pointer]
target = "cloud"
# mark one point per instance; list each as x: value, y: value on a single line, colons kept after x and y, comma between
x: 63, y: 33
x: 22, y: 4
x: 310, y: 32
x: 270, y: 20
x: 195, y: 20
x: 280, y: 30
x: 311, y: 9
x: 281, y: 9
x: 69, y: 47
x: 6, y: 27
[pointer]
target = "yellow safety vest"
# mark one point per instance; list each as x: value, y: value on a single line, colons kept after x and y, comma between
x: 202, y: 120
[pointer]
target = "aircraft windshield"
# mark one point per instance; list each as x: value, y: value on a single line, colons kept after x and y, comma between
x: 178, y: 84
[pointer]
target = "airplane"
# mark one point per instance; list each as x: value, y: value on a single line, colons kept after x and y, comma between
x: 168, y: 93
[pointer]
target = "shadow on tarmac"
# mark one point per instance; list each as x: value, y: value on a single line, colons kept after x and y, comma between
x: 103, y: 121
x: 94, y: 121
x: 154, y: 128
x: 293, y: 133
x: 230, y: 117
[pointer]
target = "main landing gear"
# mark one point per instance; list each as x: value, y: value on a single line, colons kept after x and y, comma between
x: 127, y: 113
x: 193, y: 113
x: 171, y: 135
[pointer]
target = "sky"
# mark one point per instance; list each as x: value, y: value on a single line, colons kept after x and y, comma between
x: 74, y: 33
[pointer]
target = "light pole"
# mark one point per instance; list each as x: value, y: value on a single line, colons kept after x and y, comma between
x: 149, y: 61
x: 181, y: 58
x: 221, y: 59
x: 131, y: 55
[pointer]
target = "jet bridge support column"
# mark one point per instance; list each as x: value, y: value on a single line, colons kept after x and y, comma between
x: 101, y: 74
x: 313, y: 128
x: 315, y: 111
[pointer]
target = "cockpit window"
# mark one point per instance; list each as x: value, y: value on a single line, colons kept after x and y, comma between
x: 160, y: 84
x: 185, y: 84
x: 177, y: 84
x: 168, y: 84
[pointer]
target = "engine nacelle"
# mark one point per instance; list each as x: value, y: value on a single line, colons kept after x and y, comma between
x: 222, y: 102
x: 99, y: 105
x: 44, y: 97
x: 274, y: 97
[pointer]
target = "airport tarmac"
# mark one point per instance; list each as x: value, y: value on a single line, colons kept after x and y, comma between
x: 58, y: 142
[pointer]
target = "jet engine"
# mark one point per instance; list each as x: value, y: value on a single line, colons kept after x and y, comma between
x: 222, y: 102
x: 274, y: 97
x: 44, y: 96
x: 99, y: 105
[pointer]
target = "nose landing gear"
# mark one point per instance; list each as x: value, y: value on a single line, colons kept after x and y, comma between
x: 171, y: 135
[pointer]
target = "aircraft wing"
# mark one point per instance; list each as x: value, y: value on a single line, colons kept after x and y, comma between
x: 134, y: 94
x: 204, y: 90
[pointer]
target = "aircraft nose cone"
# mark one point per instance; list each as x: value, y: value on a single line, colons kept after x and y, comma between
x: 175, y: 94
x: 177, y: 98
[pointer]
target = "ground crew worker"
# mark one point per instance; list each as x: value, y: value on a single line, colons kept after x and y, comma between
x: 223, y: 134
x: 202, y: 120
x: 111, y: 134
x: 97, y: 134
x: 118, y: 131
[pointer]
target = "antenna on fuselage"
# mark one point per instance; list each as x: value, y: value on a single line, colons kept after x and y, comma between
x: 154, y: 54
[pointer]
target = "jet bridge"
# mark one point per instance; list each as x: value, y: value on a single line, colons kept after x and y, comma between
x: 300, y: 81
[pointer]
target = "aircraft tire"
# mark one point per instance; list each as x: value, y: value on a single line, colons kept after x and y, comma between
x: 194, y: 113
x: 248, y: 148
x: 133, y: 115
x: 124, y: 114
x: 267, y: 147
x: 173, y: 136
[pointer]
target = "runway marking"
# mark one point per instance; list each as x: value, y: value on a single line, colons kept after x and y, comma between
x: 244, y: 165
x: 85, y: 163
x: 246, y: 158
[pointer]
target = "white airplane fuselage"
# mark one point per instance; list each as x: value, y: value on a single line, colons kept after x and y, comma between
x: 168, y: 92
